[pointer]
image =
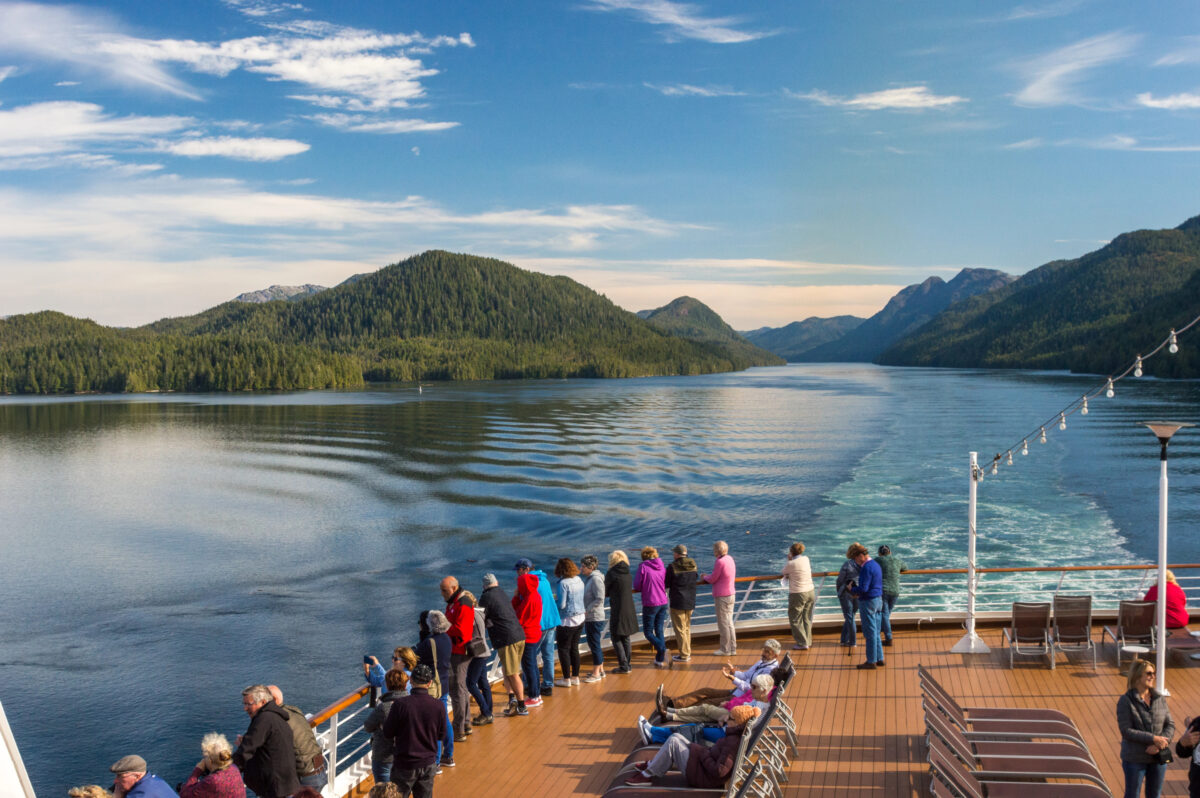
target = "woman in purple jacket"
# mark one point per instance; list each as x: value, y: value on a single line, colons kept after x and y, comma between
x: 651, y: 583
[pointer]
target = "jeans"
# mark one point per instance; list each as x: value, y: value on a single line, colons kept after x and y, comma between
x: 653, y: 619
x: 529, y: 671
x: 660, y: 734
x: 478, y: 684
x: 567, y: 640
x: 382, y: 771
x: 870, y: 610
x: 316, y: 780
x: 849, y: 607
x: 445, y: 749
x: 419, y: 782
x: 546, y: 650
x: 888, y: 603
x: 1153, y: 773
x: 594, y: 631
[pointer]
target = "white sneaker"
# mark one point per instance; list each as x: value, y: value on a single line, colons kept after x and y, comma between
x: 591, y: 679
x: 562, y: 682
x: 644, y: 729
x: 574, y: 681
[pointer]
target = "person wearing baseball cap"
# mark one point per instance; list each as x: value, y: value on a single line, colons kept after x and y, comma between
x: 131, y: 780
x: 416, y: 722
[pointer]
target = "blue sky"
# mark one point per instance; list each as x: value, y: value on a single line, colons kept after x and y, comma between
x: 776, y: 160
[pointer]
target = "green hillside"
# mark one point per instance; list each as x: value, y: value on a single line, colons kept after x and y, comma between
x: 1091, y: 314
x: 434, y: 316
x: 794, y: 340
x: 692, y: 319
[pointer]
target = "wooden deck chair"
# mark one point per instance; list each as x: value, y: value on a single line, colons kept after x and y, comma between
x: 933, y: 688
x: 1028, y: 634
x: 1073, y: 625
x: 1016, y: 758
x: 1135, y: 627
x: 985, y: 784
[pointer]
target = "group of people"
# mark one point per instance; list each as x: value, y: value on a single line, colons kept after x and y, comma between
x: 277, y: 756
x: 868, y: 586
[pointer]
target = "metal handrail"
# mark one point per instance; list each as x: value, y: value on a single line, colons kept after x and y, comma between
x: 927, y: 595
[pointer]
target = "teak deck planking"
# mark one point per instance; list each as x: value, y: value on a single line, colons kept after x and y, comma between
x: 861, y: 732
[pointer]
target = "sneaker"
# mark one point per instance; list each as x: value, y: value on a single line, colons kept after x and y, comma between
x: 658, y: 664
x: 677, y: 658
x: 866, y: 666
x: 533, y: 702
x: 805, y: 648
x: 562, y: 682
x: 603, y: 674
x: 625, y: 669
x: 447, y: 761
x: 438, y: 772
x: 512, y: 708
x: 547, y: 689
x: 644, y: 729
x: 482, y: 720
x: 639, y: 779
x: 574, y: 681
x: 879, y: 664
x: 521, y: 710
x: 592, y: 679
x: 460, y: 738
x: 645, y: 763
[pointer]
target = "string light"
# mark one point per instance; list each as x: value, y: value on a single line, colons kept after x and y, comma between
x: 1136, y: 369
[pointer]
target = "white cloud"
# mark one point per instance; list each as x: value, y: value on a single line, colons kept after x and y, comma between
x: 1025, y: 144
x: 242, y: 149
x: 1057, y: 9
x: 1054, y: 78
x: 415, y: 150
x: 1189, y: 53
x: 682, y: 20
x: 76, y: 160
x: 906, y: 98
x: 262, y: 8
x: 53, y: 127
x: 1173, y: 102
x: 1130, y: 144
x: 65, y: 83
x: 7, y: 72
x: 363, y: 124
x: 687, y: 90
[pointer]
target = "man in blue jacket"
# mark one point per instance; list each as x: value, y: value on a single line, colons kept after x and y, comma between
x: 550, y: 621
x: 132, y: 780
x: 869, y: 590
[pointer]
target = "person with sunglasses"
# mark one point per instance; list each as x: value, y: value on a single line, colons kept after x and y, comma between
x: 1146, y: 731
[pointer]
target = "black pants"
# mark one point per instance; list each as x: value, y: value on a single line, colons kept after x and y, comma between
x: 566, y: 638
x: 624, y: 650
x: 418, y: 782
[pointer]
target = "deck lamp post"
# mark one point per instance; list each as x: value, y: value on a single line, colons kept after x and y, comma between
x: 1163, y: 430
x: 971, y: 642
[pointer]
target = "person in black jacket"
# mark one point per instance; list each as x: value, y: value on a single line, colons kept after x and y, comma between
x: 434, y: 651
x: 1186, y: 749
x: 508, y: 638
x: 682, y: 576
x: 265, y: 753
x: 382, y: 746
x: 618, y: 586
x: 417, y: 722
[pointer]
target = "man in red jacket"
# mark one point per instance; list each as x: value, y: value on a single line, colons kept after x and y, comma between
x: 704, y: 768
x: 462, y: 628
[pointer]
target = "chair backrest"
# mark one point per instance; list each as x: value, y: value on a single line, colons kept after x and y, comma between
x: 943, y: 700
x: 1073, y: 618
x: 1030, y: 621
x: 789, y: 669
x: 951, y: 736
x: 951, y: 769
x: 1135, y: 620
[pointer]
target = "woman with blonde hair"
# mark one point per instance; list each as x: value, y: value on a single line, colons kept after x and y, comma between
x: 88, y: 791
x: 215, y: 776
x: 1177, y: 614
x: 618, y: 587
x: 1146, y: 731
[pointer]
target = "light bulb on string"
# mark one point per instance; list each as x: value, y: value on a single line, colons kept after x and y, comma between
x: 1043, y: 438
x: 1025, y: 447
x: 1084, y: 410
x: 1108, y: 389
x: 1137, y: 367
x: 995, y: 465
x: 1010, y: 457
x: 1062, y: 420
x: 1173, y: 346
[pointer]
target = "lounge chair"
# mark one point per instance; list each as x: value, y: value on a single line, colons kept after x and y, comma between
x: 933, y: 688
x: 989, y: 784
x: 1073, y: 625
x: 1135, y: 627
x: 1028, y: 634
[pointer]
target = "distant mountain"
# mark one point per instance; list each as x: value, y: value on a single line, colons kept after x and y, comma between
x: 905, y: 312
x: 1091, y: 314
x: 793, y: 340
x: 695, y: 321
x: 288, y: 292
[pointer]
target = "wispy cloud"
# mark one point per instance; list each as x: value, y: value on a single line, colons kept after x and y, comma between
x: 1044, y: 11
x: 1173, y: 102
x: 1026, y: 144
x: 262, y: 8
x: 242, y: 149
x: 682, y: 20
x: 6, y: 72
x: 54, y: 127
x: 1054, y: 78
x: 1131, y: 144
x: 907, y: 98
x: 1188, y: 53
x: 688, y: 90
x: 364, y: 124
x: 65, y: 83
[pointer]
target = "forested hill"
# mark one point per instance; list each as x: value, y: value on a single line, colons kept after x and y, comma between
x: 437, y: 315
x: 692, y: 319
x: 793, y: 340
x: 1092, y: 314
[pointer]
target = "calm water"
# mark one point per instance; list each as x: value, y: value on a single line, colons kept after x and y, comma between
x: 159, y: 553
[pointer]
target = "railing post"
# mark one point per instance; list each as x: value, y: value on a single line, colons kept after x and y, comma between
x: 331, y: 766
x: 737, y: 614
x: 971, y: 643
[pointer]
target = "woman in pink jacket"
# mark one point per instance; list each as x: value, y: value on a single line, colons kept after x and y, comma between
x: 651, y: 583
x: 723, y: 573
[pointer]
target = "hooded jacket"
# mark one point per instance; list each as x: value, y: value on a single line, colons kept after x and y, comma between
x: 593, y: 597
x: 502, y: 625
x: 383, y: 748
x: 550, y: 616
x: 267, y: 756
x: 309, y: 758
x: 618, y: 584
x: 651, y: 583
x: 528, y: 606
x: 462, y: 623
x: 682, y: 577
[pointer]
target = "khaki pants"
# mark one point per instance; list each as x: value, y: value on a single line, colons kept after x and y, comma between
x: 800, y: 612
x: 705, y: 695
x: 681, y: 621
x: 724, y: 605
x: 702, y: 713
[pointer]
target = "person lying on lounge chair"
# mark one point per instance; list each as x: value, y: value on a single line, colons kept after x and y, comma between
x: 695, y: 732
x: 739, y: 682
x: 760, y: 694
x: 704, y: 768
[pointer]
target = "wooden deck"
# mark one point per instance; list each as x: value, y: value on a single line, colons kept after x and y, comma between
x: 861, y: 732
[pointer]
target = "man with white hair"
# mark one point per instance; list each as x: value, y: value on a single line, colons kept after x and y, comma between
x: 133, y: 781
x: 723, y: 573
x: 265, y: 753
x: 310, y: 759
x: 740, y: 682
x: 508, y: 638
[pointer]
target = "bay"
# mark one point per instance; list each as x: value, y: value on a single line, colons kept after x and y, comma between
x: 160, y: 552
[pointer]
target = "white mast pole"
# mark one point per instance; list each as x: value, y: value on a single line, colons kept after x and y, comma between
x: 1161, y: 609
x: 971, y: 643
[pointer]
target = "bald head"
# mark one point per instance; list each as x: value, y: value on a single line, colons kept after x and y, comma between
x: 276, y: 693
x: 449, y: 587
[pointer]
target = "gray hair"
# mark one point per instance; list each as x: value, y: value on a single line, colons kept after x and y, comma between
x: 436, y: 621
x: 763, y: 681
x: 258, y: 693
x: 722, y: 547
x: 590, y: 561
x: 490, y: 579
x: 216, y: 749
x: 773, y: 644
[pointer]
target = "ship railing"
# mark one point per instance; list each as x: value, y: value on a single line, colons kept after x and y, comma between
x: 927, y: 595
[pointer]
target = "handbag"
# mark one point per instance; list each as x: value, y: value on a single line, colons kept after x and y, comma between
x: 1164, y: 757
x: 477, y: 648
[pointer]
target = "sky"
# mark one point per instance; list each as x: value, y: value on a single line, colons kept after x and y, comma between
x: 775, y: 160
